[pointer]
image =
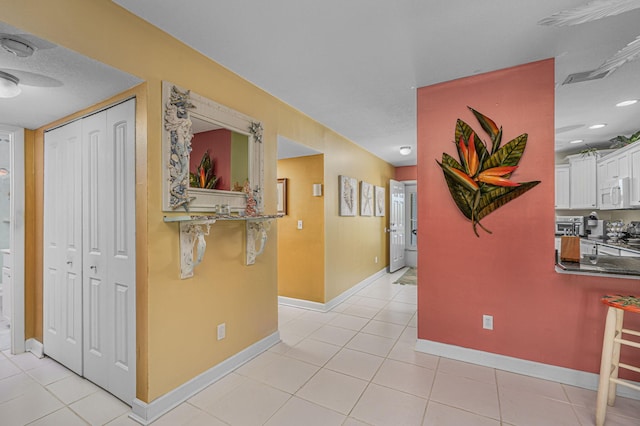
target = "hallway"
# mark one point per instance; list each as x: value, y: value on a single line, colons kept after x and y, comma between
x: 352, y: 366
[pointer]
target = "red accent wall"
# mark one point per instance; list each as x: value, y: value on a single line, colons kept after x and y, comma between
x: 539, y: 314
x: 406, y: 173
x: 219, y: 144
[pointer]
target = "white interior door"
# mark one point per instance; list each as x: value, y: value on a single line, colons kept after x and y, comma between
x: 101, y: 218
x: 62, y: 280
x: 109, y: 249
x: 396, y: 226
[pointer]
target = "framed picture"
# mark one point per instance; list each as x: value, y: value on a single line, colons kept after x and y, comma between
x: 379, y: 201
x: 366, y: 199
x: 348, y: 196
x: 282, y: 196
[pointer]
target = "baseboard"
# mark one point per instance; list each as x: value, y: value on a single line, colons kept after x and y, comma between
x: 35, y: 347
x: 145, y: 413
x: 553, y: 373
x: 326, y: 307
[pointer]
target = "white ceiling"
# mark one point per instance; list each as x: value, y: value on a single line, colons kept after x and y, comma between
x: 355, y: 65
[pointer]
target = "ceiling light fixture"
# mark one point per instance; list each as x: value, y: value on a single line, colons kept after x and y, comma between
x: 16, y: 45
x: 627, y: 103
x: 597, y: 126
x: 577, y: 141
x: 9, y: 85
x: 405, y: 150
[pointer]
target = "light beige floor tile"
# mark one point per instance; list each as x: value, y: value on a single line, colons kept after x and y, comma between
x: 341, y: 307
x: 283, y: 373
x: 332, y: 390
x: 14, y: 386
x: 27, y: 361
x: 468, y: 394
x: 403, y: 351
x: 409, y: 308
x: 28, y: 407
x: 625, y: 407
x: 525, y: 408
x: 290, y: 338
x: 321, y: 317
x: 350, y: 322
x: 251, y: 403
x: 218, y: 390
x: 186, y: 414
x: 355, y: 363
x: 361, y: 311
x: 63, y: 416
x: 587, y: 416
x: 313, y: 351
x: 470, y: 371
x: 409, y: 335
x: 49, y: 373
x: 298, y: 412
x: 443, y: 415
x: 354, y: 422
x: 372, y: 302
x: 580, y: 396
x: 383, y: 406
x: 301, y: 327
x: 8, y: 368
x: 99, y: 408
x: 401, y: 318
x: 383, y: 293
x: 125, y: 420
x: 331, y: 334
x: 384, y: 329
x: 375, y: 345
x: 72, y: 388
x: 405, y: 377
x: 509, y: 381
x: 258, y: 363
x: 413, y: 322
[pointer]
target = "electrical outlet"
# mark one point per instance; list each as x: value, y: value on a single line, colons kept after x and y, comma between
x: 375, y: 259
x: 299, y: 224
x: 222, y: 331
x: 487, y: 322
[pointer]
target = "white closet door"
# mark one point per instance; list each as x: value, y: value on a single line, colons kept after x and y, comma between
x: 109, y: 242
x: 62, y: 280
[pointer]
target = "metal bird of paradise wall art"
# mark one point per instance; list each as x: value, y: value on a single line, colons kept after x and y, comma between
x: 480, y: 182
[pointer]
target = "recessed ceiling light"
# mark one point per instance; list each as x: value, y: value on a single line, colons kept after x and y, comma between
x: 597, y: 126
x: 9, y: 85
x: 626, y: 103
x: 577, y: 141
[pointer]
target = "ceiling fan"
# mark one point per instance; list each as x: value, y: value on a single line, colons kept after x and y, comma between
x: 594, y: 10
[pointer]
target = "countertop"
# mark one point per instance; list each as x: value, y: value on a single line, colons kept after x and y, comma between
x: 622, y: 267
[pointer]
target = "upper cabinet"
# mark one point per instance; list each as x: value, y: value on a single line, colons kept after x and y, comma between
x: 583, y: 192
x: 563, y: 199
x: 634, y: 175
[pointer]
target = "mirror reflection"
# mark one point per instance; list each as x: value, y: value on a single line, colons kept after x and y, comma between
x: 219, y: 157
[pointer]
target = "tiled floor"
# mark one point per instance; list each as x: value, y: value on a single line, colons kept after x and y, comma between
x: 352, y: 366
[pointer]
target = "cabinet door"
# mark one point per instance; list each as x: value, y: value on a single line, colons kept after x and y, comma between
x: 634, y: 173
x: 583, y: 193
x: 563, y: 187
x: 7, y: 290
x: 608, y: 250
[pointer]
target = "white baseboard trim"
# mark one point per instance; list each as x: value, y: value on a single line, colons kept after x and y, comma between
x: 554, y: 373
x: 145, y: 413
x: 326, y: 307
x: 35, y: 347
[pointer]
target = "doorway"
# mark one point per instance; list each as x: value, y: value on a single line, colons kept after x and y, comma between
x: 411, y: 223
x: 12, y: 239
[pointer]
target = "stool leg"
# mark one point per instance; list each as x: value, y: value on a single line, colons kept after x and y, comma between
x: 615, y: 358
x: 605, y: 366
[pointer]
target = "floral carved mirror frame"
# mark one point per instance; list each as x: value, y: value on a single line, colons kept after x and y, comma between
x: 179, y: 105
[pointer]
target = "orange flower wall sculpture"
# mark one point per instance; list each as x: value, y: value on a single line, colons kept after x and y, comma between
x: 480, y: 183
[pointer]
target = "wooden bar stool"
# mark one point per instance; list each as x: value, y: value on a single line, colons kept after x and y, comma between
x: 610, y: 362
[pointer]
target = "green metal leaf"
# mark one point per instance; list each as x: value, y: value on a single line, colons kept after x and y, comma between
x: 491, y: 201
x: 451, y: 162
x: 461, y: 196
x: 464, y: 130
x: 464, y: 181
x: 489, y: 126
x: 508, y: 155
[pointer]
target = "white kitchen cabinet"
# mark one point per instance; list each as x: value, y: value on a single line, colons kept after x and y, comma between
x: 634, y: 174
x: 583, y: 188
x: 563, y: 199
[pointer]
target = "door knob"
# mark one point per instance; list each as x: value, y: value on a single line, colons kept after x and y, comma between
x: 95, y: 268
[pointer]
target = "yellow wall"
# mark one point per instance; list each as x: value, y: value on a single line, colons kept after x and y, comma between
x: 176, y: 319
x: 301, y: 251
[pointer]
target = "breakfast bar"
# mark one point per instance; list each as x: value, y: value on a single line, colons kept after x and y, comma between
x: 607, y: 265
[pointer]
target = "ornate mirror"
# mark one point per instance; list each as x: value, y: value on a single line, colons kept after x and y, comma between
x: 212, y: 155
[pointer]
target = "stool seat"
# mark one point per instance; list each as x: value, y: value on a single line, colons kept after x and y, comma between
x: 610, y: 361
x: 626, y: 303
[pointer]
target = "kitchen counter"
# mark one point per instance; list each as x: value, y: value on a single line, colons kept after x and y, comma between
x: 616, y: 266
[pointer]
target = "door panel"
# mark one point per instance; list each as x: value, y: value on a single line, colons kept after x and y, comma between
x: 62, y: 304
x: 396, y: 226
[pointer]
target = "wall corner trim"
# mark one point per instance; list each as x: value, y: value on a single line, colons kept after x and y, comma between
x: 35, y: 347
x: 145, y: 413
x: 539, y: 370
x: 326, y: 307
